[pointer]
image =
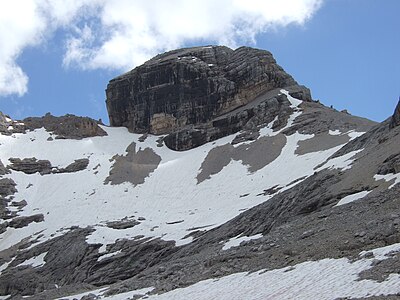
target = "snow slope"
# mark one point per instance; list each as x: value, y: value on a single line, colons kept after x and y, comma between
x: 164, y: 210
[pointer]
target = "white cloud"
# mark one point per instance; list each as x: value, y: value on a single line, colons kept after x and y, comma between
x: 19, y: 28
x: 120, y: 34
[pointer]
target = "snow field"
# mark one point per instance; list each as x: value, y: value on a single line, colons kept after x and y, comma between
x: 81, y: 199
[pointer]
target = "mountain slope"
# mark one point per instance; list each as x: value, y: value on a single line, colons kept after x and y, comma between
x: 110, y: 212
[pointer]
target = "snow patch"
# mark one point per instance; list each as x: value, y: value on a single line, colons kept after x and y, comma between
x: 383, y: 252
x: 237, y: 240
x: 343, y: 162
x: 293, y: 101
x: 267, y: 130
x: 108, y: 255
x: 35, y: 262
x: 335, y: 132
x: 354, y: 134
x: 389, y: 177
x: 352, y: 197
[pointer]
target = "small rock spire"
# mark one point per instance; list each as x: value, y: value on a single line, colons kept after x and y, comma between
x: 396, y: 116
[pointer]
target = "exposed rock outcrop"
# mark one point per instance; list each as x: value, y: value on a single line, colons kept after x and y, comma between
x: 195, y: 94
x: 66, y: 127
x: 3, y: 123
x: 395, y: 120
x: 3, y: 170
x: 76, y: 166
x: 44, y: 167
x: 20, y: 222
x: 9, y: 126
x: 30, y: 165
x: 135, y: 167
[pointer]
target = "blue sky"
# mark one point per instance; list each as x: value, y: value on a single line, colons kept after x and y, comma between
x: 345, y: 51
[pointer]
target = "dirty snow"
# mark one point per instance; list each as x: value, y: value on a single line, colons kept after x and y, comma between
x: 237, y: 240
x: 35, y: 262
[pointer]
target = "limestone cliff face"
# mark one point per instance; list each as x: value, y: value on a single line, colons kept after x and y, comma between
x: 188, y: 88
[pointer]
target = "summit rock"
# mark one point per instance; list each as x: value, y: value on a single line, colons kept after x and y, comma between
x: 190, y: 94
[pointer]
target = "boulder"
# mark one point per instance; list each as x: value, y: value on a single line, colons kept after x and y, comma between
x: 76, y: 166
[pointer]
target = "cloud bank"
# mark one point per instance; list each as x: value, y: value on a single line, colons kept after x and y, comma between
x: 121, y: 34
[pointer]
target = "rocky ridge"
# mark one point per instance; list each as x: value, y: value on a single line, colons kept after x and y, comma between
x: 63, y: 127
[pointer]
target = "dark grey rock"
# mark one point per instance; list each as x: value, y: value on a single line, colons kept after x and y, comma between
x: 7, y: 187
x: 248, y: 118
x: 20, y: 222
x: 3, y: 170
x: 255, y: 155
x: 66, y: 127
x: 134, y: 167
x: 90, y: 297
x: 395, y: 120
x: 181, y: 90
x: 30, y: 165
x: 3, y: 123
x: 19, y: 204
x: 123, y: 224
x: 76, y: 166
x: 44, y: 167
x: 390, y: 165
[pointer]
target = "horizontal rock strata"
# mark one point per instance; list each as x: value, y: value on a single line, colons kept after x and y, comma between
x: 197, y: 94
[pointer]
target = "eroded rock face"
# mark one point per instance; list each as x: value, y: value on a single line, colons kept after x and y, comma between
x: 66, y: 127
x: 30, y: 165
x: 395, y: 121
x: 3, y: 170
x: 187, y: 89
